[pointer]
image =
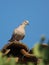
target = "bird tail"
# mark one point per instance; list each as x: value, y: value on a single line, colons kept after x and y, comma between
x: 12, y: 39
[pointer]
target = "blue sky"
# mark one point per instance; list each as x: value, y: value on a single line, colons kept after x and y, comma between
x: 14, y: 12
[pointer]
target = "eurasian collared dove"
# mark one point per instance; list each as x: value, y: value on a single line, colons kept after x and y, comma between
x: 19, y: 32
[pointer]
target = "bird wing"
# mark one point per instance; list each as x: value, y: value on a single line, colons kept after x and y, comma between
x: 17, y: 36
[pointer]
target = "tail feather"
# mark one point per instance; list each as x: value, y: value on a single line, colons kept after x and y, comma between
x: 12, y: 38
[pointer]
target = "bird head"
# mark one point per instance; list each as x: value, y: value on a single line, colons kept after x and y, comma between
x: 26, y: 22
x: 23, y: 25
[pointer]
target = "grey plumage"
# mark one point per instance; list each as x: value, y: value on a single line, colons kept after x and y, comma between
x: 19, y: 32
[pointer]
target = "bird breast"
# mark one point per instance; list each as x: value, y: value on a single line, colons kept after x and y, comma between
x: 19, y: 31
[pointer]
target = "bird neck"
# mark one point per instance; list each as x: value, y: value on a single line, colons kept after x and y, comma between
x: 23, y: 26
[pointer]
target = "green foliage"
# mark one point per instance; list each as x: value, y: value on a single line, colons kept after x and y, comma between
x: 37, y: 50
x: 41, y: 63
x: 42, y: 53
x: 4, y: 61
x: 42, y: 38
x: 29, y: 63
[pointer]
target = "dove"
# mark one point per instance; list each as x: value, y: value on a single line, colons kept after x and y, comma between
x: 19, y: 32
